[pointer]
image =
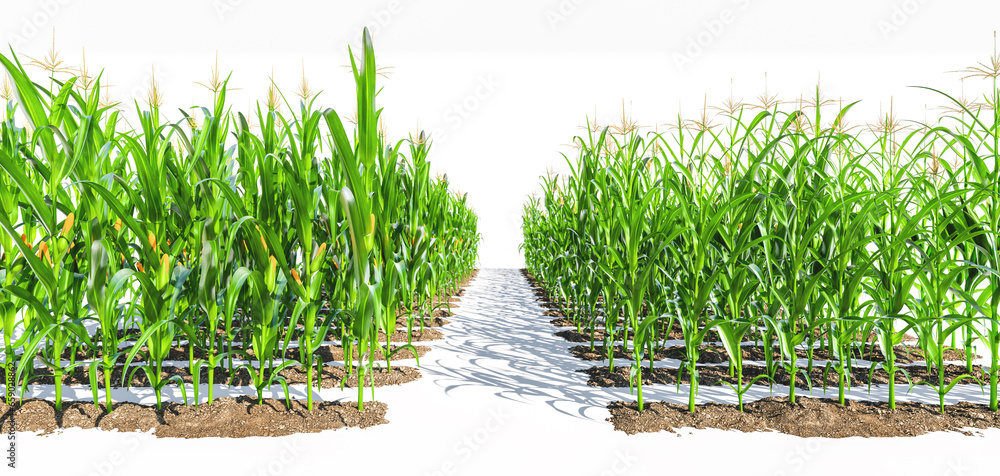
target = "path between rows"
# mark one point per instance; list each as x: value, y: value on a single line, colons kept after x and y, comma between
x: 499, y: 395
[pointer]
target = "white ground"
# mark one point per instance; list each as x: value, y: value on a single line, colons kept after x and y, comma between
x: 500, y: 396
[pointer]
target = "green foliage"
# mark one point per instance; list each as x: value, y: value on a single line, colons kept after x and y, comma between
x: 781, y: 229
x: 229, y: 243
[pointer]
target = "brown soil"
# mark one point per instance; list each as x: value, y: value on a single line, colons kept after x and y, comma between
x: 294, y: 375
x: 807, y: 417
x: 599, y: 334
x: 428, y: 322
x: 175, y: 353
x: 332, y: 376
x: 401, y: 313
x: 562, y: 321
x: 327, y: 352
x: 603, y: 377
x: 674, y: 333
x: 226, y: 417
x: 574, y: 336
x: 905, y: 354
x: 709, y: 354
x: 718, y: 375
x: 527, y: 275
x: 426, y: 335
x: 444, y: 305
x: 399, y: 335
x: 439, y: 305
x: 334, y: 353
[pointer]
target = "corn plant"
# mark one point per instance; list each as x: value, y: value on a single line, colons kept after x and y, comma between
x: 212, y: 233
x: 787, y: 227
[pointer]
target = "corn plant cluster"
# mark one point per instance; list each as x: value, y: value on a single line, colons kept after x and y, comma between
x: 782, y: 225
x: 118, y: 243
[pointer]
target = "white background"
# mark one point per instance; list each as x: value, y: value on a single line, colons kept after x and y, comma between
x: 539, y: 67
x: 505, y: 84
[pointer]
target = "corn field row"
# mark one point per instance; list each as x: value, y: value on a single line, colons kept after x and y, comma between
x: 782, y: 226
x: 238, y: 242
